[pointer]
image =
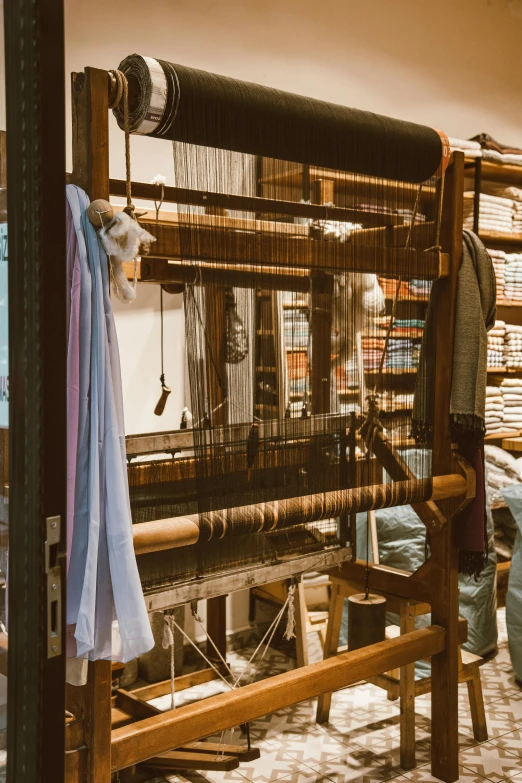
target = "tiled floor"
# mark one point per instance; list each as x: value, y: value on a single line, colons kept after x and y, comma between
x: 360, y: 744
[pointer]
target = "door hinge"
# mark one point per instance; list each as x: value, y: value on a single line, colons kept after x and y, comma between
x: 54, y: 587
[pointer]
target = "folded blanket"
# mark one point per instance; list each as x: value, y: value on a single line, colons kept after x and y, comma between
x: 489, y: 143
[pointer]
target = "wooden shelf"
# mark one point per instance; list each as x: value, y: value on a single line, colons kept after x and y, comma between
x: 502, y: 435
x: 499, y: 172
x: 504, y: 371
x: 512, y: 442
x: 501, y: 238
x: 509, y: 303
x: 397, y: 371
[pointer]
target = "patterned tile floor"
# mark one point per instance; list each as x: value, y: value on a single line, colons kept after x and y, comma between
x: 360, y: 744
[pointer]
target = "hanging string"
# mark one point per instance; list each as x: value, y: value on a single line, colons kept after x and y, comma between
x: 290, y: 618
x: 169, y: 642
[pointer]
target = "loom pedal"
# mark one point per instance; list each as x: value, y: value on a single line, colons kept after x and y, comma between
x: 176, y: 759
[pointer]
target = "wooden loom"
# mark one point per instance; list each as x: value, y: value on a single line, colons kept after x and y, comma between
x: 95, y: 750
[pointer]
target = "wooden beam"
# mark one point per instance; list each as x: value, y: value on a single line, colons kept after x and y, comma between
x: 176, y: 532
x: 235, y: 247
x: 134, y: 705
x: 444, y: 552
x: 90, y: 137
x: 161, y: 271
x: 210, y: 586
x: 181, y: 759
x: 264, y: 206
x: 139, y: 741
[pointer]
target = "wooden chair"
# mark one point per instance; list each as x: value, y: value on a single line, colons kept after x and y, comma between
x: 401, y: 683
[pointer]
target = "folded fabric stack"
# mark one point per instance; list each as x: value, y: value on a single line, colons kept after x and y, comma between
x: 496, y: 151
x: 511, y: 390
x: 495, y: 212
x: 494, y: 410
x: 498, y: 258
x: 496, y: 344
x: 408, y: 327
x: 296, y: 328
x: 470, y: 148
x: 495, y: 351
x: 402, y: 354
x: 513, y: 347
x: 372, y: 348
x: 513, y: 276
x: 420, y: 288
x: 502, y: 469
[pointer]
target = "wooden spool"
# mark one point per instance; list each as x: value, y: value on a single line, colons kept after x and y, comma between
x: 366, y: 620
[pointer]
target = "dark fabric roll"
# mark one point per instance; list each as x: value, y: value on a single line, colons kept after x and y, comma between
x: 184, y: 104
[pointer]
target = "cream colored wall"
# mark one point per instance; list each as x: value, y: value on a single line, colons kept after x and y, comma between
x: 453, y: 64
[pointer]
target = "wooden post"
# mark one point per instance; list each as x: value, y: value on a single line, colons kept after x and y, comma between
x: 407, y: 696
x: 90, y: 142
x: 445, y: 600
x: 216, y: 383
x: 90, y: 91
x: 321, y: 322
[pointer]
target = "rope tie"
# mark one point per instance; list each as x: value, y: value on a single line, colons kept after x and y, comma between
x: 122, y: 95
x: 169, y: 624
x: 290, y: 618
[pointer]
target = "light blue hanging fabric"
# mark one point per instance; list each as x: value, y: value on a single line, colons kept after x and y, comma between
x: 103, y: 581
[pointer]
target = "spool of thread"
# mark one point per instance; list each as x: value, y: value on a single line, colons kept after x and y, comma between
x: 366, y: 620
x: 100, y: 212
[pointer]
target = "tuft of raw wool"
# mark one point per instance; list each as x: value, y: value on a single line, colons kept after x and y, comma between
x: 159, y: 179
x: 124, y: 238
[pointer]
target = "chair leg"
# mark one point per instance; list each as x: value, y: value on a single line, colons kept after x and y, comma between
x: 476, y: 703
x: 407, y: 697
x: 333, y: 631
x: 300, y: 625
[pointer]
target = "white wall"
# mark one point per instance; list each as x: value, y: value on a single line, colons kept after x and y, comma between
x: 453, y: 64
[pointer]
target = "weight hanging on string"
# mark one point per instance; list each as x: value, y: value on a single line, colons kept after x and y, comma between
x: 236, y: 337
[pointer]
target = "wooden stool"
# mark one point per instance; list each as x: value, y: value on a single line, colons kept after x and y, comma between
x: 401, y: 683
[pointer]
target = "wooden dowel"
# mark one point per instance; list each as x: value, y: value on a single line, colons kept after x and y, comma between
x: 156, y: 270
x: 176, y: 532
x: 265, y: 206
x: 139, y: 741
x: 225, y: 246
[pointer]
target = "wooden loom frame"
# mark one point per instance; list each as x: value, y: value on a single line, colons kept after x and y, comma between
x: 94, y: 750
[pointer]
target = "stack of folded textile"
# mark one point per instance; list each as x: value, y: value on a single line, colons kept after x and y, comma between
x: 511, y: 192
x: 372, y: 348
x: 513, y: 347
x: 496, y: 337
x: 495, y: 351
x: 494, y: 410
x: 470, y: 148
x: 513, y: 276
x: 296, y: 328
x: 496, y: 151
x: 402, y: 354
x: 511, y: 389
x: 502, y: 469
x: 408, y: 327
x: 420, y: 288
x: 498, y: 258
x: 495, y: 212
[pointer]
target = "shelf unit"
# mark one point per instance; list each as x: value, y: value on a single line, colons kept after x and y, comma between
x: 509, y: 311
